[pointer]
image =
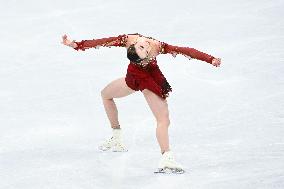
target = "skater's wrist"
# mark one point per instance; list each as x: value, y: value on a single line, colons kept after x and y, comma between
x: 73, y: 45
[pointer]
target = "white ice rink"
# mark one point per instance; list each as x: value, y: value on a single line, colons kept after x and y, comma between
x: 227, y: 123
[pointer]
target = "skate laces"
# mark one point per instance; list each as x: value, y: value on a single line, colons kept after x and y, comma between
x: 114, y: 140
x: 169, y: 156
x: 109, y: 140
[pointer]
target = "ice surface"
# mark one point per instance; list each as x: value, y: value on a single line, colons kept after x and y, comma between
x: 227, y: 123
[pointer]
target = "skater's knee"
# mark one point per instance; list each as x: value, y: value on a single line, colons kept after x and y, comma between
x: 163, y: 122
x: 105, y: 96
x: 163, y: 118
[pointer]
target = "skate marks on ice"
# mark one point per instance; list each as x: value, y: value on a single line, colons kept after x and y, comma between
x: 115, y: 148
x: 110, y: 150
x: 168, y: 170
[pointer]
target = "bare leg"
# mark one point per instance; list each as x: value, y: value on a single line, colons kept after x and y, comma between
x: 159, y: 108
x: 115, y: 89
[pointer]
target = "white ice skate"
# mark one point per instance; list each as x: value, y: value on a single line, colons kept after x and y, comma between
x: 168, y: 164
x: 115, y: 143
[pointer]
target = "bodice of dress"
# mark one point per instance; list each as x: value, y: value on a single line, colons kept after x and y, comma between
x: 148, y: 66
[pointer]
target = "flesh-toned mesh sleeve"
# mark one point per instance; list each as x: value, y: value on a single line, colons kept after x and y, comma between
x: 186, y: 51
x: 119, y: 41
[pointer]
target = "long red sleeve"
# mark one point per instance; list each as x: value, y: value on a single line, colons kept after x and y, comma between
x: 186, y: 51
x: 119, y: 41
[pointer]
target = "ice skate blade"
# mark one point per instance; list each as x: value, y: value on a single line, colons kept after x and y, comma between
x: 168, y: 170
x: 104, y: 148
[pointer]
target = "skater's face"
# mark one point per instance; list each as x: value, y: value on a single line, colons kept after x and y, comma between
x: 142, y: 48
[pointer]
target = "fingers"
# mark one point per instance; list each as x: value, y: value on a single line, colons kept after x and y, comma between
x: 65, y: 40
x: 64, y: 36
x: 219, y: 61
x: 216, y: 62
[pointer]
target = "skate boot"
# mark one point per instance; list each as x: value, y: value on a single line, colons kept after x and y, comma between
x: 168, y: 164
x: 114, y: 143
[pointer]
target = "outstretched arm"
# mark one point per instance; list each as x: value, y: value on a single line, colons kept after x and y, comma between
x: 189, y: 52
x: 119, y: 41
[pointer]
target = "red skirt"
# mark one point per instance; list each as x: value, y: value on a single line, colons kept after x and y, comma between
x: 149, y: 77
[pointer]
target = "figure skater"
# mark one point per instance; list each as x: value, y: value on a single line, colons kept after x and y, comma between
x: 142, y: 74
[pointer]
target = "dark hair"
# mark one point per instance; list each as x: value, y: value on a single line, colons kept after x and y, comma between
x: 132, y: 55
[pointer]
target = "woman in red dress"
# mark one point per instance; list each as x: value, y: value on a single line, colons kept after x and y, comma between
x: 143, y: 74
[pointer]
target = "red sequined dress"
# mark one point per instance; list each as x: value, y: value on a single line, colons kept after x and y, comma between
x: 149, y: 76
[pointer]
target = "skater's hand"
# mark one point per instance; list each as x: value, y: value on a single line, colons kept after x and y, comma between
x: 68, y: 42
x: 216, y: 62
